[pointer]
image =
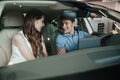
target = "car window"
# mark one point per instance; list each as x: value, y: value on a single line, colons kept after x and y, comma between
x: 104, y: 25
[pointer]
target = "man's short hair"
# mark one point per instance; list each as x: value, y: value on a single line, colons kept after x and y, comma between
x: 68, y: 15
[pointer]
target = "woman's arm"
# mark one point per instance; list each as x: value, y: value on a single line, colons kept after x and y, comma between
x: 24, y: 49
x: 44, y: 47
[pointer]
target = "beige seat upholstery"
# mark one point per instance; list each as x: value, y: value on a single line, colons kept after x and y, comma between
x: 11, y: 20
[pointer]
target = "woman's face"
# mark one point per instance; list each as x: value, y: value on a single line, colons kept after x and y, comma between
x: 39, y: 24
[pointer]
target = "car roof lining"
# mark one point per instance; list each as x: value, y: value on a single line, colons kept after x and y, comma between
x: 54, y: 8
x: 51, y: 4
x: 61, y: 6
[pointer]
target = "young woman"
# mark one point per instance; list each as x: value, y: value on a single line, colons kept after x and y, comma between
x: 28, y: 44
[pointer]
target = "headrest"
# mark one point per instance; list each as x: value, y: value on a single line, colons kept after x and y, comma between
x: 13, y: 19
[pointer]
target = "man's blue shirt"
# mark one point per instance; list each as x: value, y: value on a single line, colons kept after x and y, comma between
x: 70, y: 42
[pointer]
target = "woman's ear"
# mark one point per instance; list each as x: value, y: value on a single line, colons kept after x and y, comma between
x: 35, y: 22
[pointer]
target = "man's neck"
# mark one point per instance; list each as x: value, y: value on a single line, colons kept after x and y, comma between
x: 72, y: 32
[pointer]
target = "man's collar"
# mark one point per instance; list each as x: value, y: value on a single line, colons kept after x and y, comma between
x: 75, y: 32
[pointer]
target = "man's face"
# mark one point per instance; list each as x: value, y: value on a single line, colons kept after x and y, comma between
x: 67, y: 26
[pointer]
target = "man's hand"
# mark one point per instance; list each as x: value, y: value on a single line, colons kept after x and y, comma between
x: 61, y: 51
x: 93, y: 15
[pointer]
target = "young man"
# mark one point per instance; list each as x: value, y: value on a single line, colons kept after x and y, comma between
x: 68, y: 40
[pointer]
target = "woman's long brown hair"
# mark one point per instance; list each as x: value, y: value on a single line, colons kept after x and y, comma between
x: 33, y: 36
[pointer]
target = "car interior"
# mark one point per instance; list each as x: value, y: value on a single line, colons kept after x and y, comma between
x: 12, y: 20
x: 99, y: 52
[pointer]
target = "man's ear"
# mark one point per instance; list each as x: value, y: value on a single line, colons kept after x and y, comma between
x: 74, y: 24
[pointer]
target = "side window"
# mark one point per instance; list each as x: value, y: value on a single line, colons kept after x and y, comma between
x: 81, y: 25
x: 104, y: 25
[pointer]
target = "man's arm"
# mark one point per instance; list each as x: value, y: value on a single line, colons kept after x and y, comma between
x: 60, y: 42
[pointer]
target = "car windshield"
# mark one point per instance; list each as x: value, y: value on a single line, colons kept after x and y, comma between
x: 103, y: 24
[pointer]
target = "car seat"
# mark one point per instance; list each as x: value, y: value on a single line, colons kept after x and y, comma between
x: 12, y: 21
x: 50, y: 32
